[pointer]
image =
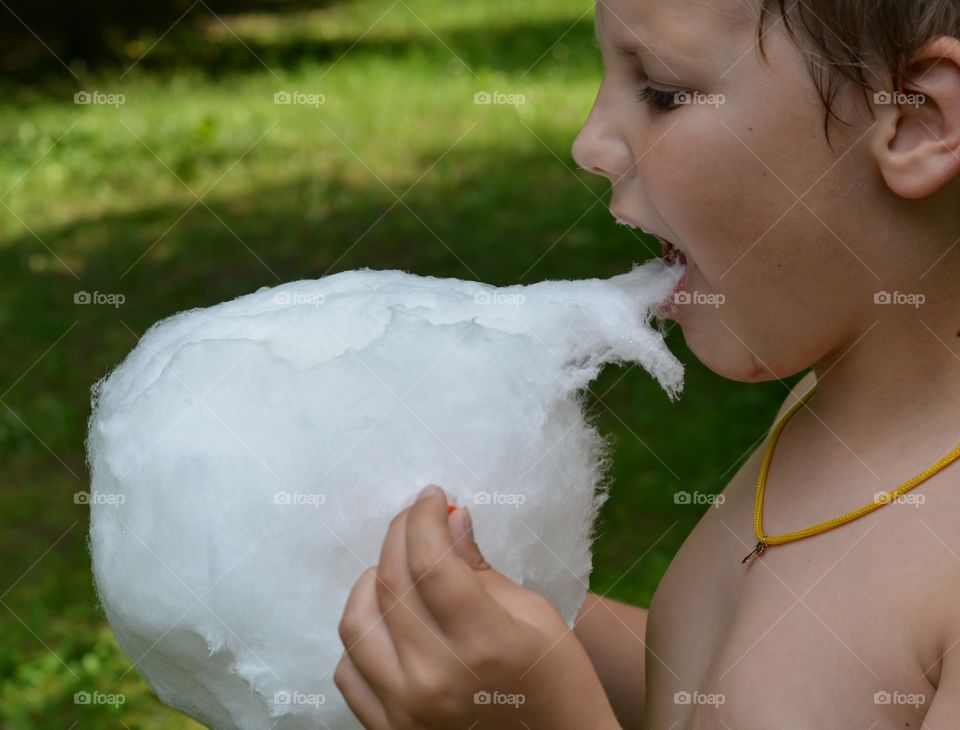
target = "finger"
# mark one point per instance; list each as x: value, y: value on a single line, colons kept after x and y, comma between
x: 361, y: 699
x: 410, y: 624
x: 366, y: 638
x: 448, y: 586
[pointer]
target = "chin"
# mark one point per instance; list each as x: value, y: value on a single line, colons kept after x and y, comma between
x: 722, y: 353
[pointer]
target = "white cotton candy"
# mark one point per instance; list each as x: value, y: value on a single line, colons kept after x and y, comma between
x: 247, y: 458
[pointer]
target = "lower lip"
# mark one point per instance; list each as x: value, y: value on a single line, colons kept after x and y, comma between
x: 669, y: 308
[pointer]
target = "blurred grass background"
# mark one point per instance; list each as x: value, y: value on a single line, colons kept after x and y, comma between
x: 199, y: 188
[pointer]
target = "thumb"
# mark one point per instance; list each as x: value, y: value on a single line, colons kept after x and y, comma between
x: 464, y: 543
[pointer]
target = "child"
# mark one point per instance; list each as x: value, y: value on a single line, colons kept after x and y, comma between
x: 806, y: 165
x: 803, y: 159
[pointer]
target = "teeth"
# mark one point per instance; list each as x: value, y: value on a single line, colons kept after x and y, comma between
x: 674, y: 246
x: 627, y: 224
x: 673, y: 255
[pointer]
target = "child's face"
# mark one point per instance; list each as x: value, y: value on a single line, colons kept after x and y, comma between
x: 775, y: 224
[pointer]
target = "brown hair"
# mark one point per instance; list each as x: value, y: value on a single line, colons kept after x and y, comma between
x: 847, y: 38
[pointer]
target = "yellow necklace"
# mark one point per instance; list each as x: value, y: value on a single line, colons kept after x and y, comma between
x: 764, y: 540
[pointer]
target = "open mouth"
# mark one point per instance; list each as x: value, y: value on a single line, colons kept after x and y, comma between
x: 671, y: 254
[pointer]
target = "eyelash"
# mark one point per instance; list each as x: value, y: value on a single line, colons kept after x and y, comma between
x: 658, y: 99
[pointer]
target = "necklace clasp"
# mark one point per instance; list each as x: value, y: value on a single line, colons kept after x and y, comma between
x: 761, y: 546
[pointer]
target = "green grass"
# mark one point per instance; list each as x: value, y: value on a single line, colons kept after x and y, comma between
x: 103, y: 199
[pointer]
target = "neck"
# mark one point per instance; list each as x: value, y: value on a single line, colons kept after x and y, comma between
x: 897, y: 377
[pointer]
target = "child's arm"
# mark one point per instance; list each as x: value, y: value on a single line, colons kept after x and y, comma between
x: 614, y: 635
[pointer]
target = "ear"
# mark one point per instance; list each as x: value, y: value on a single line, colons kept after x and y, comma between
x: 918, y: 143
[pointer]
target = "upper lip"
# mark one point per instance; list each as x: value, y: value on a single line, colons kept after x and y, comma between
x: 619, y: 216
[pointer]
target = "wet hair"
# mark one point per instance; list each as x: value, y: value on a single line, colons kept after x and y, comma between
x: 848, y: 41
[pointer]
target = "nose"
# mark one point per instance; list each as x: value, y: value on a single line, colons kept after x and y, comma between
x: 599, y: 148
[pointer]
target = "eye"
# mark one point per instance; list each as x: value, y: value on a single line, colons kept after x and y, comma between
x: 658, y: 99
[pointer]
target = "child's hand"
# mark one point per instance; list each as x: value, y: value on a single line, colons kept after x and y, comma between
x: 436, y: 638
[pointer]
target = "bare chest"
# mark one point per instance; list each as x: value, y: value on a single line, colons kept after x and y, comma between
x: 832, y: 631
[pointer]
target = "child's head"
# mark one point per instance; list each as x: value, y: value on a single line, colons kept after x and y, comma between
x: 786, y: 170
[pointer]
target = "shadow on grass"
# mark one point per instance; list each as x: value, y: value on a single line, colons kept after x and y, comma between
x: 516, y: 49
x: 511, y: 48
x: 97, y: 32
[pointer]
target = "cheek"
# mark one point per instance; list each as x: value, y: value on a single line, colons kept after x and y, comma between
x: 727, y: 182
x: 771, y: 259
x: 723, y: 177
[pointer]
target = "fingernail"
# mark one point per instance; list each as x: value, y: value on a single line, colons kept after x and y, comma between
x: 427, y: 491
